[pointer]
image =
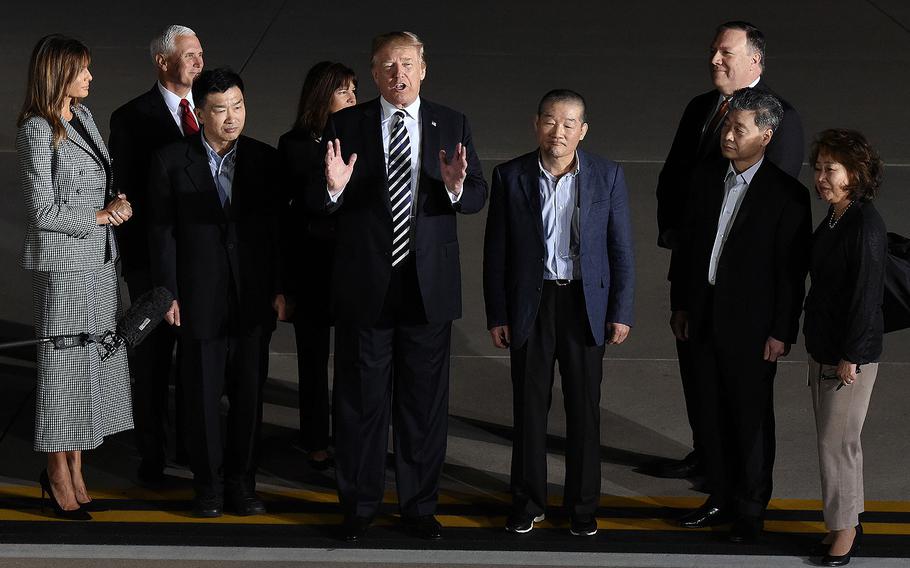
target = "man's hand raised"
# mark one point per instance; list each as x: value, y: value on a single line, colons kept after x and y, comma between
x: 454, y: 170
x: 337, y: 172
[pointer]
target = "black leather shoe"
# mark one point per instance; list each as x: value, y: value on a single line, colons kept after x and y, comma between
x: 844, y: 559
x: 705, y: 516
x: 746, y: 530
x: 355, y: 528
x: 244, y: 503
x: 425, y: 527
x: 208, y: 507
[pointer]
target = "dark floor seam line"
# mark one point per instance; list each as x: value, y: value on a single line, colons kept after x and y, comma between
x: 262, y: 36
x: 889, y: 16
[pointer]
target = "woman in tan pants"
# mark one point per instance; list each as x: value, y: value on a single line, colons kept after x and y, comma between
x: 843, y: 326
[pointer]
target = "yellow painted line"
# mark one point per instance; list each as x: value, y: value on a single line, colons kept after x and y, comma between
x: 452, y: 498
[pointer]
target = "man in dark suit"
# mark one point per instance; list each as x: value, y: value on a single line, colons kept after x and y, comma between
x: 558, y: 284
x: 138, y: 129
x: 737, y: 293
x: 737, y: 62
x: 396, y: 282
x: 213, y: 210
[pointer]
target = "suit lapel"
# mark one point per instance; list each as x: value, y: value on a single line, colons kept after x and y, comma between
x: 160, y: 114
x: 77, y: 139
x: 750, y: 200
x: 371, y: 133
x: 530, y: 186
x: 429, y: 144
x: 585, y: 189
x: 200, y: 173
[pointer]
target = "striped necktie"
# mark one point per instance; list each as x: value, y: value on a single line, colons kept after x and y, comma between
x: 400, y: 188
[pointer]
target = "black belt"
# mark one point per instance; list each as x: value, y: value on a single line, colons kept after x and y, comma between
x: 561, y: 281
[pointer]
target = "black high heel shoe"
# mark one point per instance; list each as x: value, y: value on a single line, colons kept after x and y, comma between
x: 844, y: 559
x: 74, y: 515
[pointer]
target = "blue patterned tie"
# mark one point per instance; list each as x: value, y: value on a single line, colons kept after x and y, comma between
x: 400, y: 188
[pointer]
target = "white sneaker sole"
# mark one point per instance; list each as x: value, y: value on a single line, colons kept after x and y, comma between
x: 537, y: 519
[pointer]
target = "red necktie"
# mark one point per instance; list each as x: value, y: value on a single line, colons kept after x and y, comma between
x: 718, y: 116
x: 187, y: 120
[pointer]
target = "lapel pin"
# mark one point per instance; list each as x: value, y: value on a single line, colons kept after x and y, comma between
x: 433, y: 122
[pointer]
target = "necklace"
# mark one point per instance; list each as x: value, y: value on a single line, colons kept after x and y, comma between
x: 832, y: 222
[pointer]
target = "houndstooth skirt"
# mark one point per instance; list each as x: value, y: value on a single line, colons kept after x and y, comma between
x: 79, y: 399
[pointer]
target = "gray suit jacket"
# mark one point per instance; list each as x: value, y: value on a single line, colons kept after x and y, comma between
x: 63, y: 186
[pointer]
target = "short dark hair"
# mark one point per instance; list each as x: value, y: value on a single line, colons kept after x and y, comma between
x: 216, y: 80
x: 562, y: 96
x: 320, y: 84
x: 754, y: 37
x: 851, y: 149
x: 768, y: 110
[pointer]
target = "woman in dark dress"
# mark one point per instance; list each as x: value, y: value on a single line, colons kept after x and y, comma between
x: 843, y: 326
x: 310, y: 239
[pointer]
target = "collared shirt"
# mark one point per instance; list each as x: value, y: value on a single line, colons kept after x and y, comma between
x: 172, y: 102
x: 720, y: 100
x: 559, y: 210
x: 735, y: 187
x: 222, y: 168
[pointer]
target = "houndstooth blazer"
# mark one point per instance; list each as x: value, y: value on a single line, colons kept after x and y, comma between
x: 64, y: 186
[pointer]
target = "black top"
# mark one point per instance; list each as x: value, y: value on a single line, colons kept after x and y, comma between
x: 81, y: 131
x: 844, y: 305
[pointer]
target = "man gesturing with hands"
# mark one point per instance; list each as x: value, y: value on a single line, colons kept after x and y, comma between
x: 397, y: 170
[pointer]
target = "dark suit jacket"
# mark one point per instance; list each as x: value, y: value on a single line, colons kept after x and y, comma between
x: 138, y: 129
x: 363, y: 259
x: 761, y: 275
x: 515, y: 248
x: 308, y: 238
x: 689, y: 150
x: 221, y: 264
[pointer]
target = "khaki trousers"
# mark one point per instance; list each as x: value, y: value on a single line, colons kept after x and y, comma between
x: 839, y: 417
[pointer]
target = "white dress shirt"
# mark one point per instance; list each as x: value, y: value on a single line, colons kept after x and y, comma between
x: 412, y: 124
x: 172, y: 102
x: 735, y: 187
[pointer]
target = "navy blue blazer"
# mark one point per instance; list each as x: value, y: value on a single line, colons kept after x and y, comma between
x: 515, y: 250
x: 363, y: 254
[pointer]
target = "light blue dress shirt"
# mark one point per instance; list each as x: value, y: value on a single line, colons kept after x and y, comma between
x: 735, y: 187
x: 222, y: 168
x: 559, y: 210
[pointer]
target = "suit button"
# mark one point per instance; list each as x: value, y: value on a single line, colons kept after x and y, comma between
x: 81, y: 172
x: 538, y: 288
x: 230, y: 246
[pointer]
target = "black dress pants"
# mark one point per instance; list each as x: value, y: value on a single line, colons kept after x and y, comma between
x: 736, y: 414
x: 398, y: 371
x: 231, y: 366
x: 560, y: 333
x: 313, y: 345
x: 687, y: 373
x: 150, y: 366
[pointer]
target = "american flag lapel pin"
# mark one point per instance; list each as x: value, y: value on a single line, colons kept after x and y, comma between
x: 433, y: 122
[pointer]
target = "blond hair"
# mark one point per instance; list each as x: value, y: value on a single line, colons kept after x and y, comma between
x: 397, y: 39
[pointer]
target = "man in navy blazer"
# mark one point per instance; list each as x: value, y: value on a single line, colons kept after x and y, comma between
x: 558, y: 285
x: 398, y: 170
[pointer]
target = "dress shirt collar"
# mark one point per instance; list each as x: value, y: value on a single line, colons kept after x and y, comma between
x: 214, y: 158
x: 172, y: 100
x: 544, y: 171
x: 721, y: 97
x: 746, y: 176
x: 388, y: 109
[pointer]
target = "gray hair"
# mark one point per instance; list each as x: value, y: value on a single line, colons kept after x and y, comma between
x: 165, y: 43
x: 768, y: 109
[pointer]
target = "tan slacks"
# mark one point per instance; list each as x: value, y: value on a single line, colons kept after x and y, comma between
x: 839, y: 417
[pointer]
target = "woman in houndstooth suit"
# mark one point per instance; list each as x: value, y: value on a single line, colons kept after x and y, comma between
x: 65, y: 173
